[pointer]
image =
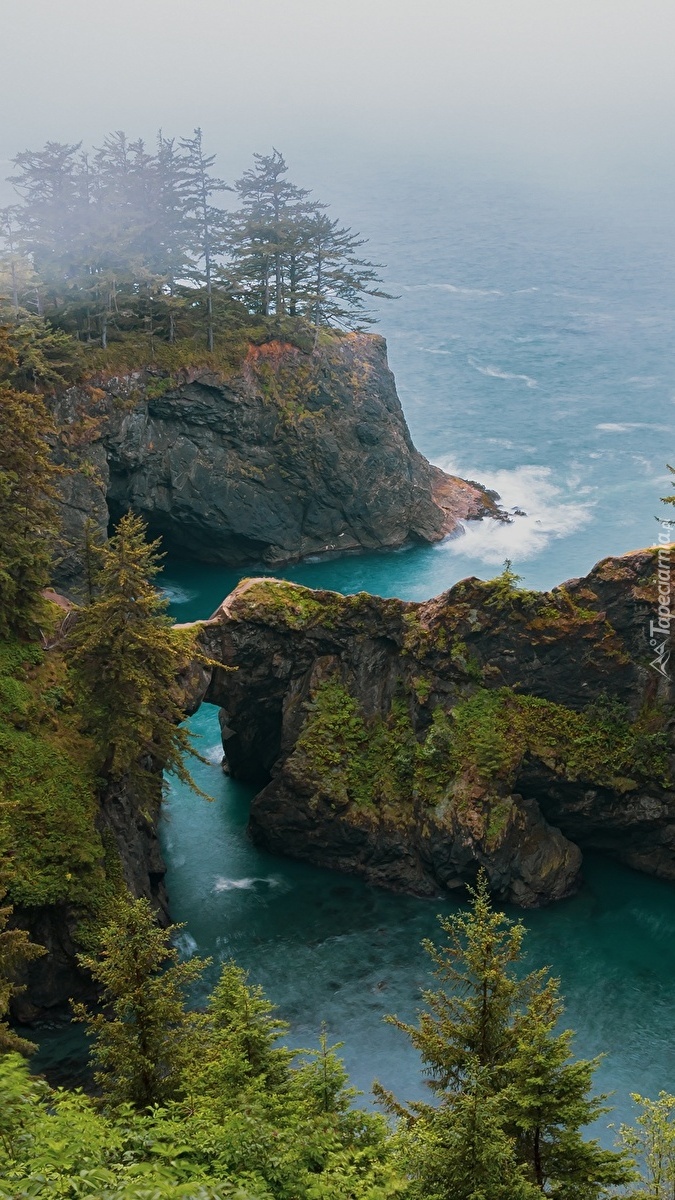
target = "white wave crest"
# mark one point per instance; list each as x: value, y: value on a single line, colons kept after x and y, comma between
x: 177, y: 595
x: 464, y: 291
x: 497, y: 373
x: 243, y: 885
x: 186, y: 944
x: 449, y: 287
x: 626, y: 426
x: 528, y: 488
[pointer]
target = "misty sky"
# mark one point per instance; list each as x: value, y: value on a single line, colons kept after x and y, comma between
x: 567, y: 85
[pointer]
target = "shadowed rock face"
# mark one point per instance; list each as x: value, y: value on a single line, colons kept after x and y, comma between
x: 414, y: 743
x: 288, y: 455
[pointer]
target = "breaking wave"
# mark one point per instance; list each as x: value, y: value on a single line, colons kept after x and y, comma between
x: 548, y: 515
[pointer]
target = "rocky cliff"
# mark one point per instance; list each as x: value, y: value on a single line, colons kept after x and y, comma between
x: 281, y: 455
x: 413, y: 743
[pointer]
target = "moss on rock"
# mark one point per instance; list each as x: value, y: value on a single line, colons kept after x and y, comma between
x: 371, y: 762
x: 51, y: 851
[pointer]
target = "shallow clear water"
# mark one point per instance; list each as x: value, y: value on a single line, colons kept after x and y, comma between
x: 533, y: 350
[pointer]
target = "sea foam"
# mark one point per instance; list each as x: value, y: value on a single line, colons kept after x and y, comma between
x: 548, y: 515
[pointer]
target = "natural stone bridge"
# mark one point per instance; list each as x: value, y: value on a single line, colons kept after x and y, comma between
x: 414, y: 743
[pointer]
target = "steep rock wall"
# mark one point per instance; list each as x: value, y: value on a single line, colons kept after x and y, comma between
x: 288, y: 454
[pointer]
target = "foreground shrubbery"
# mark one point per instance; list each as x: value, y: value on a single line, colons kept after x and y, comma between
x: 193, y: 1104
x: 210, y: 1104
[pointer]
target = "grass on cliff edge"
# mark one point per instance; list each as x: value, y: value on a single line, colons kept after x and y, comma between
x: 50, y: 849
x: 136, y: 352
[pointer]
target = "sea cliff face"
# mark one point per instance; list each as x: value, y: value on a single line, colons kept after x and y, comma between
x: 489, y: 727
x: 284, y: 455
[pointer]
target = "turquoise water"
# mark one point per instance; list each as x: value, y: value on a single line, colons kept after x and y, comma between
x: 328, y: 948
x: 533, y: 350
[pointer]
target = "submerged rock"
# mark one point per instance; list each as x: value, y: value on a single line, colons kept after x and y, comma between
x: 286, y: 454
x: 489, y: 727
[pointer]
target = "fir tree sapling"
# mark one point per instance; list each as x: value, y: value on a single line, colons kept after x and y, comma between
x: 125, y: 661
x: 144, y: 1037
x: 502, y: 1076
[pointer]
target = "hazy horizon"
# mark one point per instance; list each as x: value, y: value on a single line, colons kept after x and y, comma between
x: 578, y: 93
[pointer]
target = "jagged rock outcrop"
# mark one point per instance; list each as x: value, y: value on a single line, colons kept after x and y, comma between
x: 286, y: 454
x: 413, y: 743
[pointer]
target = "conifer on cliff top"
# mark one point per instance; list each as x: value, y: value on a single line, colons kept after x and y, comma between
x: 125, y: 660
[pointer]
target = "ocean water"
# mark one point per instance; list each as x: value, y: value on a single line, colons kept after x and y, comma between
x: 533, y: 343
x: 329, y: 949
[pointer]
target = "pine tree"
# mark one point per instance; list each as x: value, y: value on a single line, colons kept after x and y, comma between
x: 204, y: 221
x: 169, y: 234
x: 45, y: 359
x: 144, y: 1037
x: 28, y: 522
x: 323, y: 1079
x: 89, y: 548
x: 125, y: 660
x: 16, y: 949
x: 464, y: 1153
x: 16, y: 273
x: 336, y: 279
x: 51, y: 215
x: 264, y: 241
x: 124, y: 213
x: 499, y: 1071
x: 238, y: 1050
x: 290, y: 258
x: 468, y: 1021
x: 652, y: 1142
x: 549, y: 1101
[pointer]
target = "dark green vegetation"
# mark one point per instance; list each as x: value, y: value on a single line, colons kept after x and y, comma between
x: 126, y: 242
x: 51, y: 850
x: 193, y: 1104
x: 16, y: 950
x: 27, y: 510
x: 485, y: 737
x: 211, y: 1104
x: 124, y: 659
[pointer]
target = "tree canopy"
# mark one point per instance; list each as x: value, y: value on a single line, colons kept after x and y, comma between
x: 128, y: 238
